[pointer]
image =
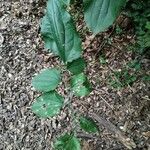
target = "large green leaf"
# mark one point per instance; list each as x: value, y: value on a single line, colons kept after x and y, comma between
x: 100, y: 14
x: 67, y: 142
x: 80, y: 85
x: 59, y: 32
x: 88, y: 125
x: 47, y: 105
x: 47, y: 80
x: 77, y: 66
x: 66, y: 2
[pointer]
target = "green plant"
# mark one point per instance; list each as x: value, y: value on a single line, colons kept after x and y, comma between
x: 140, y: 13
x: 122, y: 78
x: 102, y: 59
x: 126, y: 76
x: 60, y: 37
x: 119, y: 31
x: 134, y: 64
x: 67, y: 142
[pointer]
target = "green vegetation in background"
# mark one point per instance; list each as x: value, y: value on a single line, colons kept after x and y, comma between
x: 139, y: 11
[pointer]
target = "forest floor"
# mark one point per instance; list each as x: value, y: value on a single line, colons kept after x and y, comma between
x: 22, y: 55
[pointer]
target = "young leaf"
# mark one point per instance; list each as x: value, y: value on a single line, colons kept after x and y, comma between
x: 146, y: 78
x: 47, y: 80
x: 67, y: 142
x: 59, y: 32
x: 80, y: 85
x: 134, y: 64
x: 147, y: 26
x: 78, y: 79
x: 100, y: 14
x: 102, y: 59
x: 77, y: 66
x: 88, y: 125
x: 47, y: 105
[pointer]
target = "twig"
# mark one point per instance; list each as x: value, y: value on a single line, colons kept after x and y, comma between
x: 126, y: 141
x: 74, y: 117
x: 86, y: 136
x: 146, y: 98
x: 68, y: 99
x: 106, y: 102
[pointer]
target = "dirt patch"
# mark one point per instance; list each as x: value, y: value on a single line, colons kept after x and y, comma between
x: 22, y: 55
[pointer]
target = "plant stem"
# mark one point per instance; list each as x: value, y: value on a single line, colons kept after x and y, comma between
x: 74, y: 118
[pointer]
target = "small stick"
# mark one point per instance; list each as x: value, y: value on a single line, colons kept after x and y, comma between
x: 86, y: 136
x: 126, y: 141
x: 104, y: 99
x: 106, y: 102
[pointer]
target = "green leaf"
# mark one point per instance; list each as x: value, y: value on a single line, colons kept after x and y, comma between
x: 146, y: 78
x: 134, y: 64
x: 78, y: 79
x: 88, y: 125
x: 47, y: 80
x: 122, y: 78
x: 77, y: 66
x: 102, y: 59
x: 80, y: 85
x: 47, y: 105
x: 147, y: 26
x: 67, y: 142
x: 100, y: 14
x: 66, y: 2
x: 59, y: 33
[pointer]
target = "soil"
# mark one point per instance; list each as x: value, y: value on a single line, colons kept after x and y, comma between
x: 22, y: 55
